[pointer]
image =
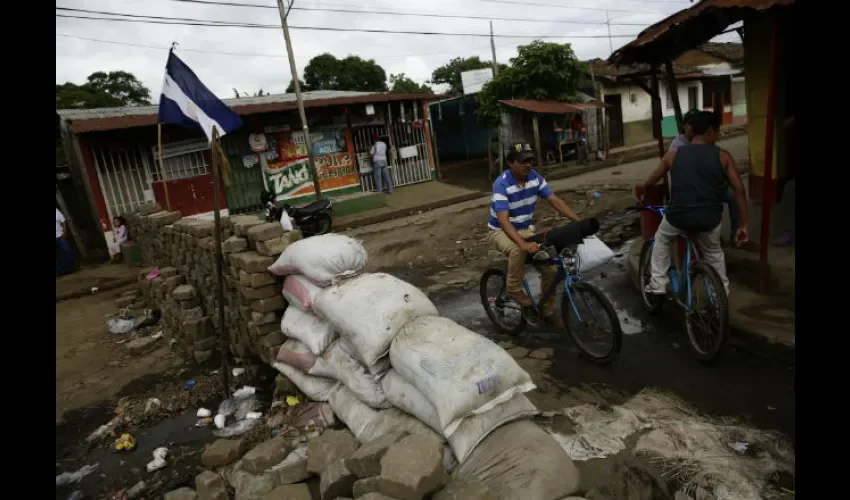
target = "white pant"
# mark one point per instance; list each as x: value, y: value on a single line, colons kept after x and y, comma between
x: 709, y: 243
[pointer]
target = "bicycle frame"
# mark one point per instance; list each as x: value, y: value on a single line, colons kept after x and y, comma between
x: 562, y: 276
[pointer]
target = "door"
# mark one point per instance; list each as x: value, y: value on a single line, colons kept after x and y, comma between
x: 187, y: 172
x: 692, y: 99
x: 615, y: 120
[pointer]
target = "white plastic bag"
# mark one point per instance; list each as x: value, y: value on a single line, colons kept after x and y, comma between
x: 367, y: 424
x: 323, y: 259
x: 306, y: 327
x: 472, y: 430
x: 300, y: 292
x: 120, y: 325
x: 521, y: 460
x: 339, y: 365
x: 285, y: 221
x: 296, y: 354
x: 316, y: 388
x: 460, y: 372
x: 593, y: 253
x: 369, y: 310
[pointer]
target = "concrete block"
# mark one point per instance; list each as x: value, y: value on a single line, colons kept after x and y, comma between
x: 331, y: 446
x: 266, y: 454
x: 336, y: 481
x: 263, y: 330
x: 251, y: 262
x: 366, y: 461
x: 252, y: 486
x: 263, y: 292
x: 264, y: 232
x: 290, y: 492
x: 256, y: 280
x: 465, y: 489
x: 234, y: 244
x: 366, y: 485
x: 222, y: 452
x: 198, y: 329
x: 292, y: 473
x: 263, y: 318
x: 242, y: 225
x: 181, y: 494
x: 276, y: 303
x: 273, y: 339
x: 210, y: 486
x: 202, y: 356
x: 412, y: 468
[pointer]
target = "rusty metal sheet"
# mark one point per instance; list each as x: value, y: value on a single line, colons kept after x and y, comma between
x: 552, y: 107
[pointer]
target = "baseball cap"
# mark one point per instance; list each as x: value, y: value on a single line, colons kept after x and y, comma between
x: 690, y: 115
x: 521, y: 151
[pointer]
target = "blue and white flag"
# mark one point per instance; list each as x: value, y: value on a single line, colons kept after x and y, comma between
x: 187, y: 102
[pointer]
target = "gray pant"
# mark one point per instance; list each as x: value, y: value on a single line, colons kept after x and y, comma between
x: 665, y: 237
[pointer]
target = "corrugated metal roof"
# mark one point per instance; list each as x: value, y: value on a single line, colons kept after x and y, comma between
x: 687, y: 29
x: 102, y: 119
x: 553, y: 107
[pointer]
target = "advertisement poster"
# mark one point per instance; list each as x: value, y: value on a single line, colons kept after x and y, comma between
x: 289, y: 175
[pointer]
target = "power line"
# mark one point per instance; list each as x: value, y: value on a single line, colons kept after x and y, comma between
x: 409, y: 14
x: 556, y: 6
x: 133, y: 18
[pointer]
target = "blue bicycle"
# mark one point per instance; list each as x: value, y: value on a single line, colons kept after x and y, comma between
x: 706, y: 321
x: 584, y: 308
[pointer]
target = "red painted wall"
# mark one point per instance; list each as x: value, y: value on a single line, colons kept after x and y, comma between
x: 99, y: 201
x: 192, y: 195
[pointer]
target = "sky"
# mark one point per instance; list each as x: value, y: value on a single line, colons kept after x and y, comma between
x: 249, y: 59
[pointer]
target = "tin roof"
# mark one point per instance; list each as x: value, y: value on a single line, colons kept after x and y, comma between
x: 553, y: 107
x: 688, y: 29
x: 102, y: 119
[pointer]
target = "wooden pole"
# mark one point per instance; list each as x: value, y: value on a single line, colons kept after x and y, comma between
x: 536, y: 131
x: 219, y: 268
x: 81, y: 246
x: 499, y: 129
x: 161, y: 167
x: 656, y: 123
x: 767, y: 179
x: 674, y: 95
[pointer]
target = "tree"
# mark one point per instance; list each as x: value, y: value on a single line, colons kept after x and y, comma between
x: 103, y: 90
x: 291, y: 88
x: 401, y: 83
x: 540, y: 71
x: 449, y: 73
x: 326, y: 72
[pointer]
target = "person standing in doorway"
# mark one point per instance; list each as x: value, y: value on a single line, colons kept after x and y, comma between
x: 379, y: 165
x: 64, y: 255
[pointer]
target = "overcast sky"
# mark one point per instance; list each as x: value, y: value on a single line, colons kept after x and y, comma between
x: 250, y: 59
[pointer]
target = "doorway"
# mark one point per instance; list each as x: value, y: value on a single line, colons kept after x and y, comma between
x: 692, y: 98
x: 615, y: 119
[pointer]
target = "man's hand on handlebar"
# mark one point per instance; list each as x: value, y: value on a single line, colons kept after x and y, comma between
x: 530, y: 248
x: 742, y: 235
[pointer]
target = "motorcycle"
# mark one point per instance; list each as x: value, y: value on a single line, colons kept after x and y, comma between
x: 312, y: 219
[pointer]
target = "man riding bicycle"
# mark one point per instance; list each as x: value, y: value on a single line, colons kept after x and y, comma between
x: 699, y: 173
x: 515, y: 194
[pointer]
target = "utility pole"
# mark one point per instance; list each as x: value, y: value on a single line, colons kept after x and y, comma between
x: 284, y: 13
x: 608, y: 23
x: 499, y: 128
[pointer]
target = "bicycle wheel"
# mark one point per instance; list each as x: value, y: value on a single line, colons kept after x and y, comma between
x: 651, y: 302
x: 502, y: 310
x: 606, y: 336
x: 707, y: 321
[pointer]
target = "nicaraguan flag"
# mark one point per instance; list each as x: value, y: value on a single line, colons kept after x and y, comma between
x: 187, y: 102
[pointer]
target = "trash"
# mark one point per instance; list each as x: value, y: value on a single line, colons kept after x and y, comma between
x: 204, y: 422
x: 105, y: 429
x: 120, y: 325
x: 237, y: 429
x: 318, y: 415
x: 153, y: 274
x: 593, y: 253
x: 316, y: 388
x: 292, y: 400
x: 203, y: 413
x: 253, y: 415
x: 188, y: 385
x: 219, y: 421
x: 245, y: 391
x: 157, y: 335
x: 597, y: 194
x: 136, y: 490
x: 94, y: 289
x: 739, y: 446
x: 76, y: 476
x: 237, y: 371
x: 152, y: 404
x: 158, y: 461
x: 125, y: 443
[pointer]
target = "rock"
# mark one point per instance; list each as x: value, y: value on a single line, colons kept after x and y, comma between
x: 518, y: 352
x: 294, y: 472
x: 366, y: 461
x: 276, y: 246
x: 210, y: 486
x: 202, y: 356
x: 181, y: 494
x: 265, y: 232
x: 222, y: 452
x: 184, y: 292
x: 252, y: 486
x: 375, y: 496
x: 542, y: 353
x: 265, y: 455
x: 336, y: 481
x: 412, y: 468
x: 290, y: 492
x: 328, y: 448
x: 234, y: 244
x: 465, y: 489
x: 284, y: 386
x: 140, y: 344
x: 366, y: 485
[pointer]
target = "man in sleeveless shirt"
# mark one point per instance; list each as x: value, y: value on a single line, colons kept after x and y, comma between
x: 699, y: 173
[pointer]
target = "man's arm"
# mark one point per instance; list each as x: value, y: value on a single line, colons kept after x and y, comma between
x: 735, y: 182
x: 372, y: 151
x: 660, y: 171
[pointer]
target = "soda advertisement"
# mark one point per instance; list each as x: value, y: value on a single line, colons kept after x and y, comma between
x: 289, y: 175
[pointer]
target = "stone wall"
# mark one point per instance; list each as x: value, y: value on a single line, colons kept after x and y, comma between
x: 185, y: 290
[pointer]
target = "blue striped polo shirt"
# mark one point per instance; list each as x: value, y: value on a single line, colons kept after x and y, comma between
x: 517, y: 200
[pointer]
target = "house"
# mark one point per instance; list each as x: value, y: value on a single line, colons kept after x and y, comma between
x: 113, y: 153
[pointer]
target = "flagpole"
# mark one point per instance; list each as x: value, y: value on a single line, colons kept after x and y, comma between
x: 219, y: 265
x: 307, y: 142
x: 159, y: 162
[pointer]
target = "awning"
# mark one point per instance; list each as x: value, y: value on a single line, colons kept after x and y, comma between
x: 553, y: 107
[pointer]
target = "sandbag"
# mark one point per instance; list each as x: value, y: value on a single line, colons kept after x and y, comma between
x: 472, y: 430
x: 308, y: 328
x: 300, y: 292
x: 339, y: 365
x: 316, y: 388
x: 296, y: 354
x: 322, y: 259
x: 369, y: 310
x: 460, y: 372
x: 593, y: 253
x: 378, y: 369
x: 521, y: 460
x: 367, y: 424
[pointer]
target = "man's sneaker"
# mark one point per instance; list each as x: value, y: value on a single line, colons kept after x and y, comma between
x: 654, y: 291
x: 520, y: 298
x: 553, y: 321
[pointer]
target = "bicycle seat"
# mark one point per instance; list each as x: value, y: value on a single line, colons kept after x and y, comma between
x: 567, y: 235
x: 312, y: 208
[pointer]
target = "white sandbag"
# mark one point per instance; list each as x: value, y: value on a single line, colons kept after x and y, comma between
x: 316, y: 388
x: 460, y: 372
x: 593, y: 253
x: 300, y: 292
x: 472, y: 430
x: 296, y: 354
x: 521, y: 460
x: 322, y: 259
x: 367, y: 424
x: 378, y: 369
x: 339, y: 365
x: 369, y: 310
x: 308, y: 328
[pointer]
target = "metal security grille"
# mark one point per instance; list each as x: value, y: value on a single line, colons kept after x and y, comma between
x: 182, y: 159
x: 407, y: 155
x: 125, y: 179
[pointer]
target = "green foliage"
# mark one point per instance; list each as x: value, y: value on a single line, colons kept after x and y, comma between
x: 103, y: 90
x: 401, y: 83
x: 326, y: 72
x: 541, y: 71
x: 449, y: 73
x: 291, y: 88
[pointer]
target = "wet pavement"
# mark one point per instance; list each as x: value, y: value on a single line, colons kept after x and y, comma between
x: 754, y: 388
